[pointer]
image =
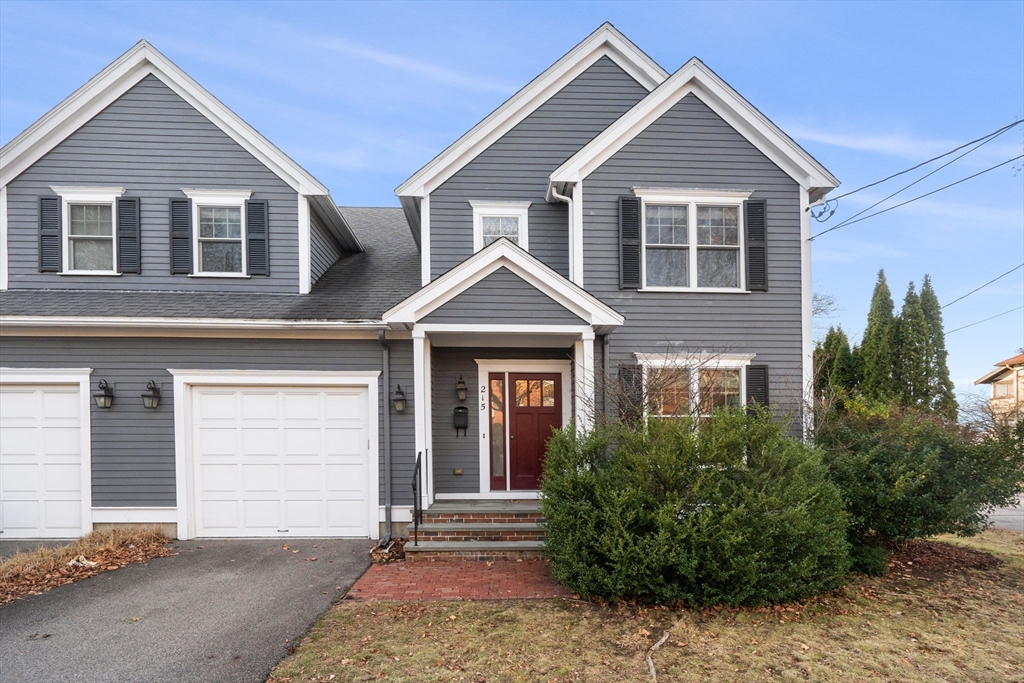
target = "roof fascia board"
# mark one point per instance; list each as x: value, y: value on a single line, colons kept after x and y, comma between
x: 105, y: 87
x: 993, y: 376
x: 334, y: 220
x: 8, y: 321
x: 605, y: 41
x: 695, y: 77
x: 483, y: 263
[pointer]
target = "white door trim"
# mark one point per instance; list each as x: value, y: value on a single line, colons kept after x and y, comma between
x: 57, y: 376
x: 486, y: 366
x: 184, y: 380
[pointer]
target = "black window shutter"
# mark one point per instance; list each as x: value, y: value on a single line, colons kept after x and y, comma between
x: 757, y: 385
x: 49, y: 235
x: 256, y: 234
x: 129, y: 254
x: 181, y: 236
x: 629, y: 242
x: 631, y: 392
x: 756, y: 219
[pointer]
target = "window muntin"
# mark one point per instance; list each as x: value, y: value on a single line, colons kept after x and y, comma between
x: 91, y: 237
x: 535, y: 393
x: 220, y: 239
x: 720, y: 388
x: 669, y: 389
x: 718, y: 246
x: 495, y: 227
x: 667, y: 234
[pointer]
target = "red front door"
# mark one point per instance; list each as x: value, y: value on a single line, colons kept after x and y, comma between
x: 535, y: 409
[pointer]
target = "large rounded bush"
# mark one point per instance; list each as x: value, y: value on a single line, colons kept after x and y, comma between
x: 727, y: 511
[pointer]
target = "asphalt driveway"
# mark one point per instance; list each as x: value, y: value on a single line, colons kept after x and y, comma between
x: 217, y: 612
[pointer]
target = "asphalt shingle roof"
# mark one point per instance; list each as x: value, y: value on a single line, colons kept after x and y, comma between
x: 357, y: 287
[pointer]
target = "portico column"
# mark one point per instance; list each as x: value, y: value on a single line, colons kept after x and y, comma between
x: 584, y: 371
x: 420, y: 403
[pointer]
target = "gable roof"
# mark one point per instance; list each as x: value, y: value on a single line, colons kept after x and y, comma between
x: 124, y: 73
x: 503, y: 254
x: 606, y: 41
x: 695, y: 77
x: 1003, y: 368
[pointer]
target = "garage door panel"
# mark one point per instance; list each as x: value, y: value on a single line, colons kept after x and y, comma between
x: 217, y: 405
x: 19, y: 478
x: 302, y: 441
x: 349, y: 406
x: 345, y: 478
x: 61, y: 440
x: 261, y: 478
x: 302, y: 406
x: 21, y: 515
x: 19, y: 441
x: 215, y: 441
x: 260, y: 406
x: 346, y: 440
x: 217, y: 478
x: 218, y: 515
x: 62, y: 514
x: 18, y: 404
x: 62, y: 478
x: 260, y: 441
x: 60, y: 404
x: 262, y: 514
x: 304, y: 515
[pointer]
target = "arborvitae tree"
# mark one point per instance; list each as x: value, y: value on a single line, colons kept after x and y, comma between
x: 834, y: 365
x: 942, y: 399
x: 911, y: 353
x: 876, y: 349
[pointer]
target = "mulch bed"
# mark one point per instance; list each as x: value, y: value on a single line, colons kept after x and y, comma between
x: 394, y: 551
x: 934, y: 560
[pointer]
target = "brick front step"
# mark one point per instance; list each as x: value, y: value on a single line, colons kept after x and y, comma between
x: 488, y: 551
x: 475, y: 531
x: 484, y: 511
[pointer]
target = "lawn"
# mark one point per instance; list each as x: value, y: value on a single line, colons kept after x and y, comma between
x: 919, y: 623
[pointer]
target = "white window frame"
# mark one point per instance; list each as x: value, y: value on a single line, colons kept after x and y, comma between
x: 1008, y: 384
x: 220, y: 199
x: 692, y: 199
x: 496, y: 209
x: 695, y: 363
x: 86, y: 195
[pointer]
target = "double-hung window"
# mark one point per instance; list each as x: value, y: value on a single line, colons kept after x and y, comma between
x: 90, y: 229
x: 494, y: 220
x: 692, y: 241
x: 219, y: 232
x: 693, y: 385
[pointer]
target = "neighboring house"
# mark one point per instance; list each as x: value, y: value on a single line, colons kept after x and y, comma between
x: 608, y: 222
x: 1007, y: 381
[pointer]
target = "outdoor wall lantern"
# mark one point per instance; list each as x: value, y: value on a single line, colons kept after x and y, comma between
x: 399, y: 399
x: 461, y: 389
x: 151, y: 399
x: 105, y: 396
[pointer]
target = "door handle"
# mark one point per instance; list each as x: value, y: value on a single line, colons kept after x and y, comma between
x: 511, y: 436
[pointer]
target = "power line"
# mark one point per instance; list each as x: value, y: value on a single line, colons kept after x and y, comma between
x: 983, y: 286
x: 927, y: 194
x: 998, y: 315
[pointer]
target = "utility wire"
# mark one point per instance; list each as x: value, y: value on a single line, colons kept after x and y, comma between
x: 983, y: 286
x: 924, y: 163
x: 997, y: 315
x: 927, y: 194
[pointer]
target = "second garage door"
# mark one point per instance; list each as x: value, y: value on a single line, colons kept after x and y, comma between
x: 280, y: 462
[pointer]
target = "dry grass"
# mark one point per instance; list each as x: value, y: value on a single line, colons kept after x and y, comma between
x: 967, y: 626
x: 41, y: 569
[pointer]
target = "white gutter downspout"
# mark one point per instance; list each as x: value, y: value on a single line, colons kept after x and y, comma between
x: 568, y: 200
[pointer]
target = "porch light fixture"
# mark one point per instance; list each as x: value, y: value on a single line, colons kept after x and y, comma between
x: 105, y: 396
x: 151, y: 399
x: 399, y: 399
x: 461, y: 389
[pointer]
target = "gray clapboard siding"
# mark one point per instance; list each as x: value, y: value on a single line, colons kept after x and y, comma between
x: 152, y: 143
x: 323, y: 249
x: 133, y: 448
x: 516, y: 167
x: 450, y: 451
x: 690, y: 146
x: 504, y: 298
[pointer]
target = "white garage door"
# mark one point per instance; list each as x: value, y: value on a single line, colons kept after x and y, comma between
x: 40, y: 462
x: 282, y: 462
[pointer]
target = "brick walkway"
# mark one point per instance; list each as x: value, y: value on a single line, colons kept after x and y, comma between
x: 457, y: 580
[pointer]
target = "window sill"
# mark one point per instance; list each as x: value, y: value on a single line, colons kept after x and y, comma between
x: 697, y: 290
x: 92, y: 273
x: 239, y: 276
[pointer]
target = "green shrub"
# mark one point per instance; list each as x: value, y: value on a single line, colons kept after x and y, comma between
x: 905, y: 473
x: 729, y: 511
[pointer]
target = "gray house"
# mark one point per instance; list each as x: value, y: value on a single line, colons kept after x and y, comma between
x: 194, y: 334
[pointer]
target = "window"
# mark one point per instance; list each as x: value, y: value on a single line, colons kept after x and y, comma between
x: 495, y: 220
x: 1001, y: 389
x: 219, y: 232
x: 693, y: 385
x: 535, y: 393
x: 692, y: 240
x: 89, y: 229
x: 669, y: 389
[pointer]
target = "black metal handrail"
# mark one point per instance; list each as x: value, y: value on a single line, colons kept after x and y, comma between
x: 417, y: 509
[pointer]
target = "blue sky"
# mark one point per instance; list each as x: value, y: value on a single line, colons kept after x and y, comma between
x: 362, y: 95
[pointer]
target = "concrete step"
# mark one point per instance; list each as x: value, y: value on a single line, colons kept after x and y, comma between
x: 473, y: 550
x: 483, y: 511
x: 479, y: 531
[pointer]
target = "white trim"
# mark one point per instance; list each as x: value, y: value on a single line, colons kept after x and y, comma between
x: 497, y: 209
x: 71, y: 194
x: 694, y: 77
x: 576, y: 236
x: 155, y: 515
x: 698, y: 362
x: 419, y: 406
x: 3, y: 238
x: 485, y: 366
x: 606, y: 41
x: 514, y: 328
x: 10, y: 322
x: 184, y: 380
x: 497, y: 255
x: 400, y: 514
x: 305, y: 248
x: 83, y: 378
x: 583, y: 354
x: 806, y: 316
x: 425, y: 241
x: 674, y: 195
x: 221, y: 199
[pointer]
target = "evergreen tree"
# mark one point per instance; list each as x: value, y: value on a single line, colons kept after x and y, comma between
x: 942, y: 399
x: 911, y: 353
x: 876, y: 349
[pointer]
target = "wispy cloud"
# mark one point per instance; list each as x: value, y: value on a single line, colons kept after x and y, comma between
x: 906, y: 146
x: 856, y: 250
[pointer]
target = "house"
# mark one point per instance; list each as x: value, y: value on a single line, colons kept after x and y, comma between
x: 195, y: 335
x: 1007, y: 381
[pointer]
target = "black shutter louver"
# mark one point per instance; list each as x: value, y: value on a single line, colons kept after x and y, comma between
x: 256, y: 234
x: 756, y: 220
x: 181, y: 236
x: 629, y: 243
x: 50, y: 235
x: 129, y: 250
x: 631, y: 392
x: 757, y: 385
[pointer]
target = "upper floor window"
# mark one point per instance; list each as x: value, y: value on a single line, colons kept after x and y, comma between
x: 1001, y: 389
x: 219, y: 232
x: 691, y: 241
x: 495, y: 220
x: 89, y: 235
